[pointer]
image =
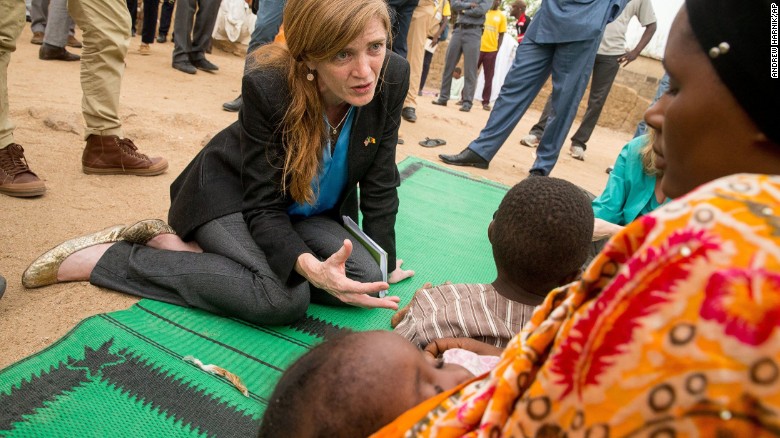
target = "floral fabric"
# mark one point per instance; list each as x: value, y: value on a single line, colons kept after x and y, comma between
x: 672, y: 331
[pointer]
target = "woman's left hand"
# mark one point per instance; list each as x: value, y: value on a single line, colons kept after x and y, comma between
x: 399, y: 274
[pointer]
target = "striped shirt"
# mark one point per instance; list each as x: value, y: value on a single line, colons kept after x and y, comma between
x: 475, y: 311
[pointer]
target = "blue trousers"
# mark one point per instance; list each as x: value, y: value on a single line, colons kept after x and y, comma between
x: 570, y: 65
x: 269, y: 18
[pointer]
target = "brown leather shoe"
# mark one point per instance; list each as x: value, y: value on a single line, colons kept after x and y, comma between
x: 73, y: 42
x: 16, y: 178
x: 37, y: 38
x: 111, y: 155
x: 48, y: 52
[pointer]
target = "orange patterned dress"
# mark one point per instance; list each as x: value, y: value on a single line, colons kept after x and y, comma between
x: 673, y: 331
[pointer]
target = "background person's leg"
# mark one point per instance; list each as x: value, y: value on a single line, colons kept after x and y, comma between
x: 529, y: 71
x: 269, y: 19
x: 106, y: 31
x: 605, y: 69
x: 12, y: 16
x: 471, y: 42
x: 451, y: 58
x: 572, y: 65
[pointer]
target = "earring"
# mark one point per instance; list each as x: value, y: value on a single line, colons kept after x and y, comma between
x: 310, y: 76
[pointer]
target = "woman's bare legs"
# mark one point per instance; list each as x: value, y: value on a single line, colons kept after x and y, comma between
x: 79, y: 265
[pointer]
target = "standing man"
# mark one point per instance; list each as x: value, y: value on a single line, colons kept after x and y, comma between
x: 610, y: 56
x: 426, y: 20
x: 492, y: 37
x: 562, y: 40
x: 466, y: 39
x: 192, y: 35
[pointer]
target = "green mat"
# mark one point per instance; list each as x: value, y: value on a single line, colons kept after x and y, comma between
x: 124, y: 373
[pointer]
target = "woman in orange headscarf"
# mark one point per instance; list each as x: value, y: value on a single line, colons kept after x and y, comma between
x: 674, y: 329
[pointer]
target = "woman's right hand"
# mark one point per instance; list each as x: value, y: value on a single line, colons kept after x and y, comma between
x: 603, y: 229
x: 331, y: 276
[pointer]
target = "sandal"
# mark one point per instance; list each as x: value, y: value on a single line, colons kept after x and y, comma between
x: 432, y: 142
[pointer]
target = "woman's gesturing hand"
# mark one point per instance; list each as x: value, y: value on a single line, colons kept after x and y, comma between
x: 331, y: 276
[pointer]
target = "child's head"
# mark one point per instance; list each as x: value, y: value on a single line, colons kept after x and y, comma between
x: 456, y: 72
x: 541, y: 233
x: 518, y: 8
x: 353, y: 385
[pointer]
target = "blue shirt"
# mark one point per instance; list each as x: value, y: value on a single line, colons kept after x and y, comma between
x: 566, y: 21
x: 329, y: 183
x: 630, y: 192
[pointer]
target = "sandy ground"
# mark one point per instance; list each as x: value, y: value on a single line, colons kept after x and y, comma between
x: 172, y: 114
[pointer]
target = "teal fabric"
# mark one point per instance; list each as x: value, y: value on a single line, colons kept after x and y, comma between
x: 630, y: 192
x: 332, y: 177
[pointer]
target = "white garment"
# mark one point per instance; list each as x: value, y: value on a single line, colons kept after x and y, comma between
x: 456, y: 88
x: 504, y: 59
x: 235, y: 22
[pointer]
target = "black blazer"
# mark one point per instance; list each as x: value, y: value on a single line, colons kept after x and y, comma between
x: 240, y: 169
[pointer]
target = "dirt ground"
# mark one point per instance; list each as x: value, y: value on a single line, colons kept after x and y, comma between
x: 171, y: 114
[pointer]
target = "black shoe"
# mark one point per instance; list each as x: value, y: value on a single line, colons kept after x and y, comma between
x: 408, y: 114
x: 234, y: 105
x: 204, y: 64
x: 439, y: 102
x: 536, y: 172
x: 2, y: 286
x: 161, y: 38
x: 48, y: 52
x: 466, y: 107
x: 465, y: 158
x: 185, y: 66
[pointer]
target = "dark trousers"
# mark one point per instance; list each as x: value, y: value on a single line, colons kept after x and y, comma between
x: 464, y: 41
x: 487, y: 60
x: 605, y: 69
x: 231, y: 277
x: 191, y: 30
x: 425, y: 68
x: 150, y: 21
x: 132, y: 7
x: 401, y: 16
x: 166, y: 11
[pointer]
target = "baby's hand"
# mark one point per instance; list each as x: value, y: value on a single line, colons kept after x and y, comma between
x: 437, y: 347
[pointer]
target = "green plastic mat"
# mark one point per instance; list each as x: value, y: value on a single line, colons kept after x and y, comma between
x: 124, y: 373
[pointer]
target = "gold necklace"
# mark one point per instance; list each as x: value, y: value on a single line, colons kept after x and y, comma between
x: 334, y: 130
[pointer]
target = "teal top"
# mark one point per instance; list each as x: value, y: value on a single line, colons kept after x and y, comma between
x: 630, y: 192
x: 331, y: 180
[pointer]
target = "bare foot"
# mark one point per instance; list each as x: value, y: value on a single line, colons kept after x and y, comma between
x: 79, y: 265
x: 172, y: 242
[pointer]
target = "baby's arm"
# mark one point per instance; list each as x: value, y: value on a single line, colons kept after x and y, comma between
x: 437, y: 347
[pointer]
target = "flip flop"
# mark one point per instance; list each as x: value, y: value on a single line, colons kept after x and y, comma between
x: 432, y: 142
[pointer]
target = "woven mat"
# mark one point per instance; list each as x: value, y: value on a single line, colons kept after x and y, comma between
x: 124, y: 373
